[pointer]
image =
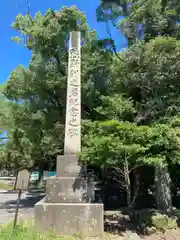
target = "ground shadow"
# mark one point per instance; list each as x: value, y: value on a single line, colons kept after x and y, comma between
x: 139, y: 221
x: 119, y: 221
x: 28, y: 202
x: 30, y: 191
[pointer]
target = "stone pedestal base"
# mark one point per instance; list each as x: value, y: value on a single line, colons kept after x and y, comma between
x: 65, y: 210
x: 70, y: 218
x: 65, y: 190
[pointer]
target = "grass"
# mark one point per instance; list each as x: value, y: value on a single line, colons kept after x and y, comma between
x: 5, y: 186
x: 26, y: 231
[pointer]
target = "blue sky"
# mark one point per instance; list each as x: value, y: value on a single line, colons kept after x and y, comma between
x: 12, y: 54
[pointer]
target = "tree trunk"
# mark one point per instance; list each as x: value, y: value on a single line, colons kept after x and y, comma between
x: 127, y: 183
x: 163, y: 187
x: 136, y: 184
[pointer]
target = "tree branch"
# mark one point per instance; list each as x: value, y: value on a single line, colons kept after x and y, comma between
x: 113, y: 45
x: 28, y: 11
x: 59, y: 64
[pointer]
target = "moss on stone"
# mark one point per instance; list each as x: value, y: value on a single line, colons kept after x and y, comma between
x: 163, y: 222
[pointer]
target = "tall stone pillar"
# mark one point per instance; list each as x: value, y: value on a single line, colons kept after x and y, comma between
x: 65, y: 209
x: 72, y: 141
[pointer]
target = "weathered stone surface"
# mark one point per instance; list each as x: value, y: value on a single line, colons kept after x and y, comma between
x: 132, y: 235
x: 66, y: 189
x: 150, y: 230
x: 69, y: 219
x: 72, y: 141
x: 67, y: 166
x: 22, y: 181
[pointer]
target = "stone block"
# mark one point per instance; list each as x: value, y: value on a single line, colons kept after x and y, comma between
x: 66, y: 189
x: 67, y: 166
x: 70, y: 218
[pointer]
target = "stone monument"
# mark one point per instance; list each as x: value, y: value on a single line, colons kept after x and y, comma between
x: 22, y: 180
x: 65, y: 208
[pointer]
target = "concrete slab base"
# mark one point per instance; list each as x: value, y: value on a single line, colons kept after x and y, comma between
x: 70, y: 218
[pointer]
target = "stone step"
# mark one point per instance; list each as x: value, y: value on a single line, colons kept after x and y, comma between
x: 66, y: 190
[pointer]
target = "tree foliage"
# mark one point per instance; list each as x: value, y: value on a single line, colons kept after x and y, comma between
x: 130, y: 100
x: 142, y: 19
x: 109, y: 143
x: 150, y: 76
x: 38, y: 93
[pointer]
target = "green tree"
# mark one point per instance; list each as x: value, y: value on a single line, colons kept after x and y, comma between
x: 154, y: 90
x: 155, y: 18
x: 150, y: 76
x: 119, y: 145
x: 38, y: 93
